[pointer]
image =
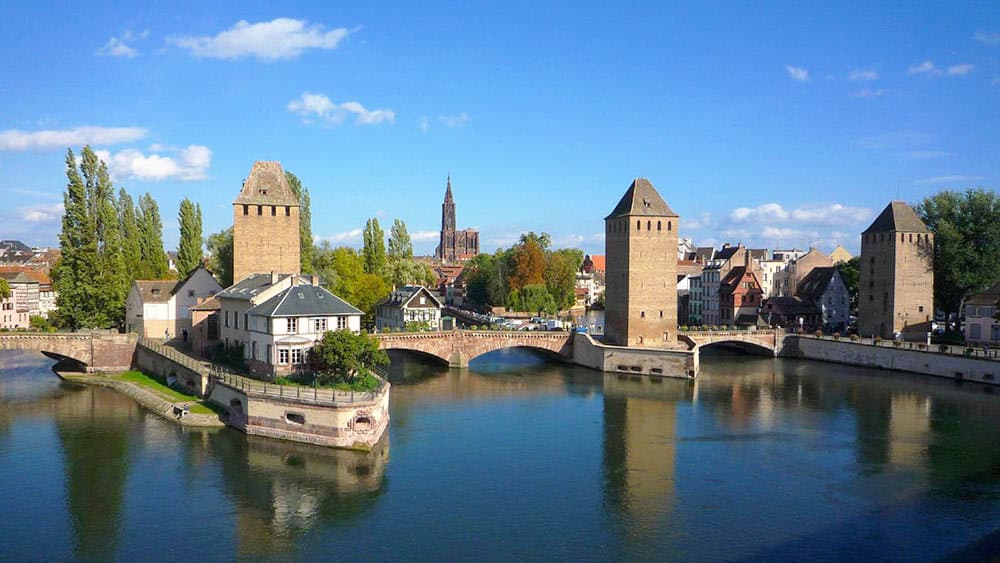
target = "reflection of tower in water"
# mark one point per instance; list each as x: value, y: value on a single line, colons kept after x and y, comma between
x: 640, y: 449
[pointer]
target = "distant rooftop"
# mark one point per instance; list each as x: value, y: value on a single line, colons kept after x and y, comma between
x: 897, y: 216
x: 267, y: 185
x: 641, y: 198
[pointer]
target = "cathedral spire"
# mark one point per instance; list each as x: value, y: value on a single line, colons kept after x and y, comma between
x: 447, y: 191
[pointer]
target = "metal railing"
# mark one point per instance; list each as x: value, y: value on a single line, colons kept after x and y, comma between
x: 992, y: 354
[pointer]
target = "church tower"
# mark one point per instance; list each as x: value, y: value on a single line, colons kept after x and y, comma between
x: 640, y: 241
x: 446, y: 251
x: 265, y: 224
x: 896, y: 289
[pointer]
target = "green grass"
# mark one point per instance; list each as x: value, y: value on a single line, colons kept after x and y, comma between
x: 168, y: 393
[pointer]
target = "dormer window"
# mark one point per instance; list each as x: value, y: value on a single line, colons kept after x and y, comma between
x: 155, y: 291
x: 262, y: 191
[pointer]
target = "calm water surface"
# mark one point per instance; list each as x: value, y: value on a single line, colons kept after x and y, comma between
x: 517, y: 459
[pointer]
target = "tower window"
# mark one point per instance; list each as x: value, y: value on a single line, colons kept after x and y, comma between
x: 642, y: 314
x: 659, y: 225
x: 274, y: 211
x: 638, y: 225
x: 669, y: 225
x: 260, y: 210
x: 902, y: 237
x: 649, y: 225
x: 288, y: 211
x: 911, y: 237
x: 246, y: 209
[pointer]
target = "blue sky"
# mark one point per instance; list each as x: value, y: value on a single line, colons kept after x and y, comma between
x: 772, y: 124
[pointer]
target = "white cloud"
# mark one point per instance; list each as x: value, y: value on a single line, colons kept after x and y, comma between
x: 960, y: 70
x: 863, y: 74
x: 17, y: 140
x: 424, y: 236
x: 454, y: 120
x: 189, y: 164
x: 703, y: 221
x: 348, y: 236
x: 926, y: 67
x: 816, y: 213
x: 119, y: 46
x: 831, y: 214
x: 784, y: 233
x: 281, y: 38
x: 766, y: 212
x: 954, y: 179
x: 797, y: 73
x: 868, y: 93
x: 321, y: 106
x: 990, y: 38
x: 425, y: 123
x: 41, y: 213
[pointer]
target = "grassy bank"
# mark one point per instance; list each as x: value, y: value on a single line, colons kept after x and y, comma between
x: 167, y: 393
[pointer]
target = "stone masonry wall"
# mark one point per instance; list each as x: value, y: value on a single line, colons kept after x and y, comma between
x: 264, y: 242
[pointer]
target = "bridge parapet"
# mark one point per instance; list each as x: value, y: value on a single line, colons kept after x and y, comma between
x: 98, y: 350
x: 458, y: 347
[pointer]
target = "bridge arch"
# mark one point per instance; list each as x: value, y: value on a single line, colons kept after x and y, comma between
x: 748, y: 346
x: 96, y: 351
x: 459, y: 347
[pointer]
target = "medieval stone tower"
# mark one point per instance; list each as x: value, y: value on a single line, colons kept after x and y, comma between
x: 896, y: 290
x: 640, y: 242
x: 265, y: 224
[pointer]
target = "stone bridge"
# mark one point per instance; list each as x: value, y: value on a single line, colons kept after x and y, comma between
x: 766, y: 341
x: 97, y: 351
x: 457, y: 348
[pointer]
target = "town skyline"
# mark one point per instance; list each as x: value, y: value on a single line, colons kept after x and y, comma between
x: 842, y: 111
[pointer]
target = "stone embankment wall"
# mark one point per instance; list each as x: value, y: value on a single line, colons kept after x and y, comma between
x: 149, y: 400
x: 161, y: 361
x: 354, y: 425
x: 891, y: 358
x: 641, y: 361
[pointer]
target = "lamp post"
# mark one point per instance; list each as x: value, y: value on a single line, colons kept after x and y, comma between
x: 801, y: 320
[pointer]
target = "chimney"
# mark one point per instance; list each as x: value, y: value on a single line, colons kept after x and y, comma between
x: 746, y: 259
x: 274, y: 277
x: 315, y: 279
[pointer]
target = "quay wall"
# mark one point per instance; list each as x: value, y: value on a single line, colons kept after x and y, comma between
x: 151, y: 361
x: 639, y: 361
x: 927, y: 362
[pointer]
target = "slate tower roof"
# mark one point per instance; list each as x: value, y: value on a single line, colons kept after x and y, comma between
x: 897, y: 216
x: 641, y: 198
x: 267, y: 185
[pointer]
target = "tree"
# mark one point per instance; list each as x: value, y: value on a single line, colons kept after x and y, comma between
x: 220, y: 256
x: 189, y: 252
x: 305, y: 223
x: 560, y: 276
x: 5, y: 291
x: 399, y: 241
x: 342, y: 270
x: 850, y: 273
x: 533, y: 298
x: 131, y: 237
x: 153, y: 265
x: 478, y: 273
x: 529, y: 264
x: 113, y: 280
x: 74, y: 274
x: 966, y: 253
x: 341, y: 356
x: 374, y: 247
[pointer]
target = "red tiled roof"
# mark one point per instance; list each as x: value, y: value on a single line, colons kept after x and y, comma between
x: 600, y: 264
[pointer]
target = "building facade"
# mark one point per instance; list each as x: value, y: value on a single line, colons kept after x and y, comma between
x: 455, y: 245
x: 411, y: 307
x: 825, y: 289
x: 740, y: 296
x: 896, y: 291
x: 641, y: 278
x: 265, y: 224
x: 162, y: 308
x: 982, y: 327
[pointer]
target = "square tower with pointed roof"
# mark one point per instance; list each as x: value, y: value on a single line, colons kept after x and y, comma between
x: 896, y: 289
x: 265, y: 224
x: 640, y: 241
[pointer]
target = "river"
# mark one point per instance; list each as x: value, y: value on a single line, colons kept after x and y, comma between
x: 758, y: 459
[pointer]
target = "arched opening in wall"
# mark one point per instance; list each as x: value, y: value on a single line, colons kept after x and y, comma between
x: 410, y: 366
x: 513, y: 360
x: 235, y: 405
x: 65, y: 363
x: 362, y: 424
x: 295, y: 417
x: 734, y: 347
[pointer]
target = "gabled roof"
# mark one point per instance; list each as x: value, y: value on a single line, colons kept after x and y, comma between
x: 988, y: 297
x: 727, y: 252
x: 704, y: 253
x: 401, y: 296
x: 787, y: 306
x: 641, y: 198
x: 248, y: 287
x: 813, y: 286
x: 732, y: 279
x: 840, y: 254
x: 156, y: 291
x: 17, y: 277
x: 304, y: 301
x: 210, y: 304
x: 897, y: 216
x: 267, y: 185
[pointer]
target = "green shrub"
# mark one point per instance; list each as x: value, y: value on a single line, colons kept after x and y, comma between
x: 855, y: 338
x: 896, y: 343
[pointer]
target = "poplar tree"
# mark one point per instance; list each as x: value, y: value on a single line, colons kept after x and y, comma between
x: 220, y: 251
x: 305, y: 223
x: 374, y: 247
x: 399, y: 241
x: 129, y: 225
x: 189, y: 252
x: 75, y: 272
x: 112, y: 278
x: 153, y: 264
